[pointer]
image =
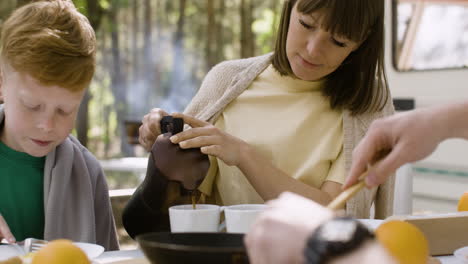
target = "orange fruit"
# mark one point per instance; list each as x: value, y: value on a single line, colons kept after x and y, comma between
x: 60, y: 251
x: 404, y: 241
x: 463, y: 202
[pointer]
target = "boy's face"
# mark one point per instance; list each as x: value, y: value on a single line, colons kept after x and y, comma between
x: 37, y: 117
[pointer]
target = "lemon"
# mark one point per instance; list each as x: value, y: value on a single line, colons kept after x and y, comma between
x: 60, y: 251
x: 404, y: 241
x: 463, y: 202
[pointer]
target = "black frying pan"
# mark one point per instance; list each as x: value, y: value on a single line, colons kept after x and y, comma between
x: 199, y: 248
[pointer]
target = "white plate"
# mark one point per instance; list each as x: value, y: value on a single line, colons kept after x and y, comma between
x: 91, y: 250
x: 9, y: 251
x: 461, y: 254
x: 372, y: 224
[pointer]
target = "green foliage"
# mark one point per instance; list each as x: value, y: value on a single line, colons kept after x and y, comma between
x: 263, y: 28
x: 82, y: 5
x: 105, y: 4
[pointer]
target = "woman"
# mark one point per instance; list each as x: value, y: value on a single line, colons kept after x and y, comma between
x: 289, y: 121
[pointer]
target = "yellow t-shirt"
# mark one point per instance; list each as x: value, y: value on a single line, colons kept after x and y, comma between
x: 289, y: 122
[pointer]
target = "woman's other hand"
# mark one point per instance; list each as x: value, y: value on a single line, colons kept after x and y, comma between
x: 211, y: 140
x: 151, y: 128
x: 280, y: 232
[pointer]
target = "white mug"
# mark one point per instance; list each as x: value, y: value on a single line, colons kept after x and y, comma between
x: 205, y: 218
x: 240, y: 217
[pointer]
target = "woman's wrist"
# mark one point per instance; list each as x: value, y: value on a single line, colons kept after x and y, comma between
x: 246, y: 156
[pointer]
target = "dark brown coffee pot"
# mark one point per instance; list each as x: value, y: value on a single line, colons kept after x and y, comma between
x: 173, y: 174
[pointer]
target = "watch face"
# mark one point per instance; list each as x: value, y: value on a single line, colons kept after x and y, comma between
x: 338, y: 230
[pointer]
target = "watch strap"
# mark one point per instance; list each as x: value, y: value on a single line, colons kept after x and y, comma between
x: 319, y: 250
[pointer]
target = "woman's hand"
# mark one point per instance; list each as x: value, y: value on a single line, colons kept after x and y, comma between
x: 151, y: 128
x: 280, y: 233
x: 211, y: 140
x: 5, y: 231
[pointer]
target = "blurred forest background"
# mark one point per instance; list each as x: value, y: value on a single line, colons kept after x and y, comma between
x: 155, y: 53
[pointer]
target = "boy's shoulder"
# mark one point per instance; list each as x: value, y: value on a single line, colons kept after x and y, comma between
x: 75, y: 143
x: 71, y: 147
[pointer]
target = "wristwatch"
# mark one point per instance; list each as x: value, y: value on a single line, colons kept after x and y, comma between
x: 334, y: 238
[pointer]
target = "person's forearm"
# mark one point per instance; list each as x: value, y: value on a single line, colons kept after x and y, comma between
x: 270, y: 182
x: 454, y: 120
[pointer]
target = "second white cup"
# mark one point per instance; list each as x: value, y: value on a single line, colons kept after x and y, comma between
x: 240, y: 217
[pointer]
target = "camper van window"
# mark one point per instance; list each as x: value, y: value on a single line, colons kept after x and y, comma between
x: 430, y: 34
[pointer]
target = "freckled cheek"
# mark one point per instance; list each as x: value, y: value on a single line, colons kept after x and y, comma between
x: 65, y: 127
x: 20, y: 131
x: 20, y: 123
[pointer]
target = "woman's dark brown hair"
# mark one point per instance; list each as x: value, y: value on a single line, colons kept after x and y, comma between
x: 360, y: 83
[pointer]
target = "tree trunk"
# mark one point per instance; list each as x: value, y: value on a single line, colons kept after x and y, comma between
x: 135, y: 31
x: 106, y: 112
x: 247, y: 35
x: 219, y: 32
x: 95, y: 12
x: 210, y: 58
x: 148, y: 56
x: 106, y: 109
x: 180, y: 23
x: 119, y: 83
x: 158, y: 22
x: 147, y: 30
x: 274, y: 26
x: 125, y: 17
x: 174, y: 101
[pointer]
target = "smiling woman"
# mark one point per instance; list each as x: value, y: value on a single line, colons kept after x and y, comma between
x: 349, y: 37
x: 326, y: 75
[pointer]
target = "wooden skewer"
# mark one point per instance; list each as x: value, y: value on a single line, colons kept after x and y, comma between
x: 341, y: 199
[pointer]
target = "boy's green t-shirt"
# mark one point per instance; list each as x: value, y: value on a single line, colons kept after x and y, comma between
x: 21, y: 192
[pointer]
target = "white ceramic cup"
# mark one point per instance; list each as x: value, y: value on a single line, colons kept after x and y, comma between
x: 240, y: 217
x: 205, y: 218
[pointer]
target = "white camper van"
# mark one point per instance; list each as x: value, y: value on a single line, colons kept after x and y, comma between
x: 427, y: 65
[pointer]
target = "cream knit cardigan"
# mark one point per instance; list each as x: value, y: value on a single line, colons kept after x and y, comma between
x: 227, y: 80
